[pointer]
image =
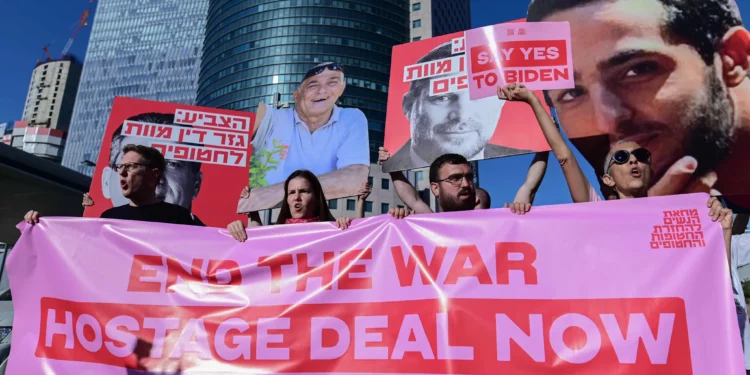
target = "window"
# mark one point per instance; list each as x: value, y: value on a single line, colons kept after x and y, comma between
x: 385, y: 184
x: 416, y: 38
x: 369, y: 180
x: 384, y: 208
x: 333, y: 204
x: 350, y: 204
x: 419, y: 175
x: 416, y: 6
x: 368, y: 206
x: 416, y: 24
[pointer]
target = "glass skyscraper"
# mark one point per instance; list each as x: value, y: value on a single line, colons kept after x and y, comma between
x: 255, y: 48
x: 147, y: 49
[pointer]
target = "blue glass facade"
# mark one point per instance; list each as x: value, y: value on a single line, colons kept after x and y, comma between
x: 143, y: 49
x: 255, y: 48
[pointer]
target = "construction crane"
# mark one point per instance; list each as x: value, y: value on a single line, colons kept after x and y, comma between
x: 83, y: 22
x: 46, y: 53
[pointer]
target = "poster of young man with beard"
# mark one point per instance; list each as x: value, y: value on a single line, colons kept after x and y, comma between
x: 670, y: 75
x: 207, y: 154
x: 430, y: 112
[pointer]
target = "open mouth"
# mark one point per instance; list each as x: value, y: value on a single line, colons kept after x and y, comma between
x: 319, y: 100
x: 123, y: 184
x: 635, y: 172
x: 298, y: 206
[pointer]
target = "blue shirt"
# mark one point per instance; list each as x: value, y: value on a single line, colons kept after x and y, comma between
x: 340, y: 142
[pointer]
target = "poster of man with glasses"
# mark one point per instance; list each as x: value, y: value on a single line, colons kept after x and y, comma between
x: 207, y: 154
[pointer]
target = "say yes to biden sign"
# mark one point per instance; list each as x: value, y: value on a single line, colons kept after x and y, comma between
x: 451, y: 293
x: 536, y: 54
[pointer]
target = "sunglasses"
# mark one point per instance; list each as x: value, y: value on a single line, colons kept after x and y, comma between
x: 623, y: 156
x: 319, y: 69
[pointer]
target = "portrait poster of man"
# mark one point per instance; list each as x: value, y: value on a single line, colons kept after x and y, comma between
x: 430, y: 112
x: 671, y: 76
x: 207, y: 151
x: 315, y: 134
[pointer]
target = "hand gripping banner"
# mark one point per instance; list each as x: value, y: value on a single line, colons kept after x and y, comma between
x: 628, y: 287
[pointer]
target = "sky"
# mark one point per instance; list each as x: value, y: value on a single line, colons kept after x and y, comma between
x: 31, y: 24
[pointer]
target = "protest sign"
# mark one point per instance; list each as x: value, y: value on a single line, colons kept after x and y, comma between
x: 207, y: 152
x: 537, y: 55
x: 657, y: 82
x: 559, y: 290
x: 338, y: 153
x: 430, y: 112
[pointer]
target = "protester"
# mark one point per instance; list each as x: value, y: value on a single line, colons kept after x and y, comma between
x: 408, y: 194
x: 140, y: 172
x: 181, y: 180
x: 316, y: 135
x: 447, y: 123
x: 305, y: 203
x: 671, y: 76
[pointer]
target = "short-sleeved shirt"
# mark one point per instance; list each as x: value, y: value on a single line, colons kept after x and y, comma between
x: 161, y: 212
x: 340, y: 142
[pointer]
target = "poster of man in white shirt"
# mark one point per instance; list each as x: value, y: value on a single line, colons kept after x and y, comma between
x: 317, y: 135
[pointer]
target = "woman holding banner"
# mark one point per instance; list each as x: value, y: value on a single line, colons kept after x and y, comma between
x: 304, y: 202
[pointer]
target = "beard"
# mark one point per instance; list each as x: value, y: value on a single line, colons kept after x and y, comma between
x: 429, y: 148
x: 709, y: 129
x: 453, y: 203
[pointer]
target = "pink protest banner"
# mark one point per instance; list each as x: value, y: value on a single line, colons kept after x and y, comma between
x: 537, y: 54
x: 628, y: 287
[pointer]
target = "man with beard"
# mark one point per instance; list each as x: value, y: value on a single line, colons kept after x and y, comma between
x: 452, y: 183
x: 447, y: 123
x: 669, y: 75
x: 181, y: 180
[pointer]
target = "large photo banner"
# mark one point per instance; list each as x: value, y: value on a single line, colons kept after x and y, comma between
x: 671, y: 76
x: 207, y: 152
x: 559, y: 290
x: 430, y: 111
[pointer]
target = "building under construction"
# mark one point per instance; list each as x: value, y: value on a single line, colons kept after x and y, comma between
x: 48, y: 108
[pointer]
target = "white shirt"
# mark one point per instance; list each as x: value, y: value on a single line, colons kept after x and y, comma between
x: 340, y: 142
x: 741, y: 257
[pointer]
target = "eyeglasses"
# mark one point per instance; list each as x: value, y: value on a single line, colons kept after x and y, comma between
x: 128, y: 167
x: 319, y: 69
x: 622, y: 157
x: 456, y: 179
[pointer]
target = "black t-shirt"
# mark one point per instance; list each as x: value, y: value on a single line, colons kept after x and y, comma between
x: 161, y: 212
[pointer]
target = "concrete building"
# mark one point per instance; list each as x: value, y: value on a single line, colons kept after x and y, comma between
x: 52, y: 93
x: 141, y: 49
x: 48, y: 109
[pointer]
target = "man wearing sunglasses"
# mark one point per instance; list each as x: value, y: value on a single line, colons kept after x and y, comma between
x: 140, y: 172
x: 316, y: 135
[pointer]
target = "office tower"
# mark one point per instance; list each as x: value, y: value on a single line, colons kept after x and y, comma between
x: 141, y: 49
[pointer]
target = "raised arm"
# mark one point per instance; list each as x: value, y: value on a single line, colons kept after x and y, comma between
x: 404, y: 189
x: 577, y: 182
x: 534, y: 177
x: 364, y: 192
